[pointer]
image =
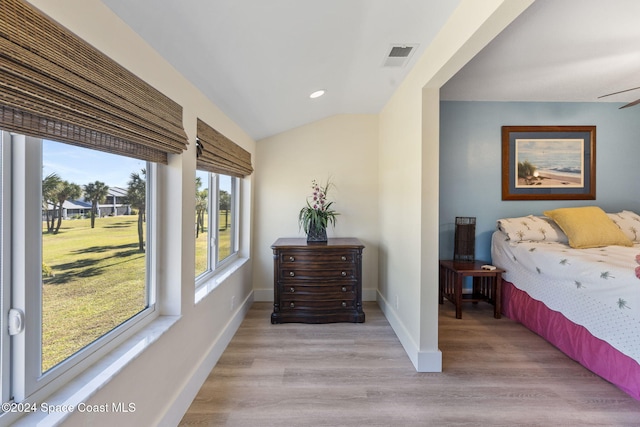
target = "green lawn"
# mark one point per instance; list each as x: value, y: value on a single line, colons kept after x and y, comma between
x: 201, y: 252
x: 98, y: 282
x: 224, y: 250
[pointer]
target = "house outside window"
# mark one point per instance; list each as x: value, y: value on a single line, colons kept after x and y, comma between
x: 96, y: 283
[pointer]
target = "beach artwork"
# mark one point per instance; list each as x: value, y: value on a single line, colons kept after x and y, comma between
x: 549, y: 163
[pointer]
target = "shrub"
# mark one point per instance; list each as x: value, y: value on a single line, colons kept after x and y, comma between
x: 46, y: 270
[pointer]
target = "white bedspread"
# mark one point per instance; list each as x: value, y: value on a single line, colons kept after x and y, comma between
x: 596, y: 288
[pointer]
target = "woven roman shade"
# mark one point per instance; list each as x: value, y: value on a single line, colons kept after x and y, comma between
x: 218, y: 154
x: 54, y: 85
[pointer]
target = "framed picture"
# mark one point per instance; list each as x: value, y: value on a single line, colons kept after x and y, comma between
x: 548, y: 163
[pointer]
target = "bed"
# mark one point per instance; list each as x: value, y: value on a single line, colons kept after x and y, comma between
x: 584, y: 298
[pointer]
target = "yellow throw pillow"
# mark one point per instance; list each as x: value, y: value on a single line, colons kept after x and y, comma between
x: 588, y: 227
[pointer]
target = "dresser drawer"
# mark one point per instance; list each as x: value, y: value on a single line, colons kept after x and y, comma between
x: 305, y: 290
x: 315, y: 273
x: 317, y: 304
x: 293, y: 257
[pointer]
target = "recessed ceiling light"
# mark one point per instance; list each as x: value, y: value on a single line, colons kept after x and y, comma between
x: 317, y: 94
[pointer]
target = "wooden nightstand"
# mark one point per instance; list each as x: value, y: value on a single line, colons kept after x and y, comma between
x: 487, y: 284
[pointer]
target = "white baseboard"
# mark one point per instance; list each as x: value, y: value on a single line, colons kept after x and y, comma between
x: 423, y: 361
x: 185, y: 397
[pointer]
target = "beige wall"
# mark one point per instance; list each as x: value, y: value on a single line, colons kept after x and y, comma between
x: 343, y: 148
x: 404, y: 231
x: 409, y: 176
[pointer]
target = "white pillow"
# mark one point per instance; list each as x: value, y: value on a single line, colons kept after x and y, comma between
x: 532, y: 228
x: 629, y: 223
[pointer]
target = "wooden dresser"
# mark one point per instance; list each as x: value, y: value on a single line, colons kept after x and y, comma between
x: 317, y: 282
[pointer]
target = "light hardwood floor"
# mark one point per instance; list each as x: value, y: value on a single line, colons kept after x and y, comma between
x: 495, y: 373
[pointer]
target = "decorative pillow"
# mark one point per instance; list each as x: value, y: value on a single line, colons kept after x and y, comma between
x: 629, y: 223
x: 528, y: 228
x: 588, y: 227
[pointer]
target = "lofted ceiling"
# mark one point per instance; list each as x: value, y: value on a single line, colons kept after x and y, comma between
x: 258, y: 60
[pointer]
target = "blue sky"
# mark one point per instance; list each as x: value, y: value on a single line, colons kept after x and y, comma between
x: 83, y: 166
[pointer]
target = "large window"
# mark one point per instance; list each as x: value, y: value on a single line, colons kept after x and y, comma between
x: 216, y: 221
x: 91, y: 259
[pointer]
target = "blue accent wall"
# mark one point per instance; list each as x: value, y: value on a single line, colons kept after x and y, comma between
x: 471, y: 161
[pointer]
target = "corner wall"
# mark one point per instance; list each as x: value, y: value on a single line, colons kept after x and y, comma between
x: 342, y: 148
x: 409, y: 176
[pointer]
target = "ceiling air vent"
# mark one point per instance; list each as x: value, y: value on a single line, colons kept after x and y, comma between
x: 399, y: 54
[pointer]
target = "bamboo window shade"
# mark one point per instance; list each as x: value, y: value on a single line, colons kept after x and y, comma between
x: 55, y: 85
x: 218, y: 154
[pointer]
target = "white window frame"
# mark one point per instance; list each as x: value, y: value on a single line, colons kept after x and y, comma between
x: 5, y: 260
x: 213, y: 265
x: 210, y: 185
x: 234, y: 225
x: 22, y: 183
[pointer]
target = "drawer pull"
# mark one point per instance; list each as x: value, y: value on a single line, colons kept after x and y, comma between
x: 344, y: 258
x: 292, y: 259
x: 292, y: 305
x: 344, y: 273
x: 344, y: 289
x: 292, y: 274
x: 293, y: 290
x: 344, y: 304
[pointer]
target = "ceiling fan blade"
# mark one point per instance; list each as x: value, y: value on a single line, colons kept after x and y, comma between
x: 622, y: 91
x: 631, y: 104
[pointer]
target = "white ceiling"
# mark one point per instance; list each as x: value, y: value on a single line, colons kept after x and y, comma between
x: 259, y: 60
x: 558, y: 50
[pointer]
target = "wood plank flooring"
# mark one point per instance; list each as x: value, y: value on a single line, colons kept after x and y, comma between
x: 495, y: 373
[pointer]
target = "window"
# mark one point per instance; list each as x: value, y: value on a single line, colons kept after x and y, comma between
x: 216, y: 209
x: 226, y: 214
x: 202, y: 222
x: 82, y: 296
x: 92, y: 259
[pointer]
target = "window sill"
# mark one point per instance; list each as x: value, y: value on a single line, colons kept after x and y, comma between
x: 70, y: 398
x: 209, y: 283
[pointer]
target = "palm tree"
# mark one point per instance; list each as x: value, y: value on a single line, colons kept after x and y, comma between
x: 225, y: 205
x: 137, y: 198
x: 202, y: 204
x: 96, y: 192
x: 66, y: 191
x: 49, y: 189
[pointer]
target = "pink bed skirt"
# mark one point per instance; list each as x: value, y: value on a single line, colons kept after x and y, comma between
x: 573, y: 340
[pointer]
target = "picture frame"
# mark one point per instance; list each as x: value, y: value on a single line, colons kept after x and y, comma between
x: 548, y: 163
